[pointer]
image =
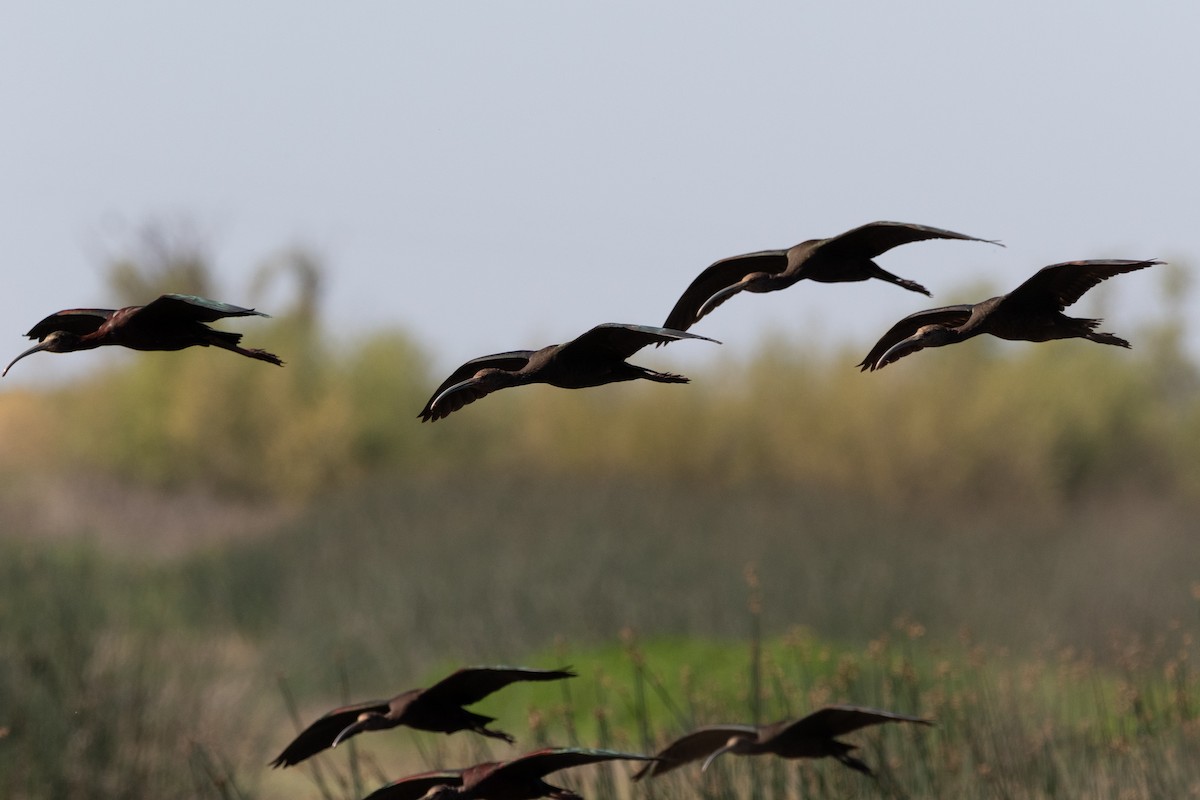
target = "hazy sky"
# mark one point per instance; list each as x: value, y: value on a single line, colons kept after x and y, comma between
x: 497, y: 175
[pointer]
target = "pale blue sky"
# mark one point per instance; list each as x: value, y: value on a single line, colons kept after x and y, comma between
x: 500, y: 175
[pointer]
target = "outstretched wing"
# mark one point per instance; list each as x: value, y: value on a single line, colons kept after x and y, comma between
x: 948, y: 316
x: 618, y: 341
x: 1060, y: 285
x: 186, y: 307
x: 511, y: 361
x: 415, y: 787
x: 876, y: 238
x: 833, y: 721
x: 700, y: 743
x: 472, y: 684
x: 320, y: 735
x: 79, y: 321
x: 720, y: 275
x: 551, y: 759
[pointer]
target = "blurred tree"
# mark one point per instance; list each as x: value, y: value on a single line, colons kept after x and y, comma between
x: 307, y: 270
x: 162, y: 258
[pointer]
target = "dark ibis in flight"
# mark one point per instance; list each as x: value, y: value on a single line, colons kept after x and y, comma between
x: 518, y: 779
x: 1030, y: 313
x: 438, y: 708
x: 593, y: 358
x: 172, y: 322
x: 814, y: 736
x: 846, y: 257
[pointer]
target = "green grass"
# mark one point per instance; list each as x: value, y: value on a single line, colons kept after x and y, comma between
x: 1035, y: 642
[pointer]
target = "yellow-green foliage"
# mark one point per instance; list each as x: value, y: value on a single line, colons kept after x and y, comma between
x: 977, y: 422
x: 209, y: 418
x: 980, y: 421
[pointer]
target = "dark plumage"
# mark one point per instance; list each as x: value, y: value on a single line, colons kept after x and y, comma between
x: 519, y: 779
x: 591, y: 359
x: 842, y: 258
x: 1032, y: 313
x: 172, y: 322
x: 813, y: 736
x: 438, y: 708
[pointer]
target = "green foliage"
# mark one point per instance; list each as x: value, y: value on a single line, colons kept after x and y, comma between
x: 138, y: 682
x: 983, y: 422
x: 92, y: 704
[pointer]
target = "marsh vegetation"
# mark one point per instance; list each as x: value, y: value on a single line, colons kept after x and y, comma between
x: 1002, y: 539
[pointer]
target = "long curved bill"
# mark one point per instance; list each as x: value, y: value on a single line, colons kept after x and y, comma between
x: 37, y: 348
x: 926, y: 336
x: 718, y: 298
x: 713, y: 756
x: 451, y: 390
x: 348, y: 731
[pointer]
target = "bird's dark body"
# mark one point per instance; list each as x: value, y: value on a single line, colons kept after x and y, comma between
x: 438, y: 709
x: 1033, y: 312
x: 813, y: 736
x: 417, y: 709
x: 774, y: 739
x: 583, y: 372
x: 488, y: 780
x: 518, y: 779
x: 172, y: 322
x: 123, y: 329
x: 812, y: 260
x: 847, y: 257
x: 594, y: 358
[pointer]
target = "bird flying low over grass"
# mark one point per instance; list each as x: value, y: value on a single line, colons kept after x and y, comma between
x: 846, y: 257
x: 814, y: 736
x: 172, y: 322
x: 1031, y: 313
x: 593, y: 358
x: 518, y: 779
x: 438, y: 708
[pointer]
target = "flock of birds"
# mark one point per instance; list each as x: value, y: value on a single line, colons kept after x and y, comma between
x: 1031, y: 312
x: 440, y: 708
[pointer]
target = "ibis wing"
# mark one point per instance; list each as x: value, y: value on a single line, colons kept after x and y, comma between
x: 550, y: 759
x: 718, y: 276
x: 80, y: 321
x: 512, y: 361
x: 320, y: 735
x: 186, y: 307
x: 472, y: 684
x: 1060, y: 285
x: 836, y: 720
x: 415, y: 787
x: 694, y: 746
x: 619, y: 341
x: 876, y: 238
x: 949, y: 316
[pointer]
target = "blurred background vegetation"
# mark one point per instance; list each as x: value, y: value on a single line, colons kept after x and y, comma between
x: 999, y: 535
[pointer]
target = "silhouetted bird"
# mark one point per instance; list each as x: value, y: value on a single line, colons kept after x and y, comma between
x: 1032, y: 313
x: 591, y: 359
x: 842, y: 258
x: 438, y: 708
x: 813, y: 736
x: 519, y: 779
x: 172, y: 322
